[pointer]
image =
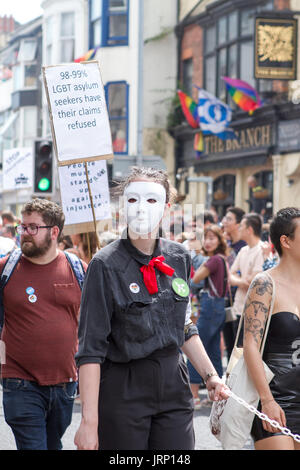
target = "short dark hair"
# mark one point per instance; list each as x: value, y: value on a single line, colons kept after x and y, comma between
x: 254, y: 221
x: 51, y: 212
x: 283, y: 223
x: 209, y: 217
x: 238, y: 213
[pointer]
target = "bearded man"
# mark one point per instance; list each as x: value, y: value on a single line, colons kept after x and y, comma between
x: 41, y: 305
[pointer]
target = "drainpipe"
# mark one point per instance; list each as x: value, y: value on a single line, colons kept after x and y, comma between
x: 140, y: 106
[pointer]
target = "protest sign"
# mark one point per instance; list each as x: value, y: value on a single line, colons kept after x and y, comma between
x: 17, y: 168
x: 78, y: 113
x: 85, y: 199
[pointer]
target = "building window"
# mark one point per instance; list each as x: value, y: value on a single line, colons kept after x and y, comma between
x: 117, y: 104
x: 223, y: 194
x: 30, y: 75
x: 229, y: 49
x: 30, y: 125
x: 187, y: 76
x: 27, y: 51
x: 67, y: 37
x: 108, y: 22
x: 49, y: 39
x: 25, y: 70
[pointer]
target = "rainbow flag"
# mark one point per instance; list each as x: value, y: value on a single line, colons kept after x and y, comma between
x: 244, y: 95
x: 88, y: 56
x: 189, y: 108
x: 198, y: 144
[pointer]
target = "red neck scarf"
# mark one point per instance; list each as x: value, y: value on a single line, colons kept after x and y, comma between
x: 149, y: 273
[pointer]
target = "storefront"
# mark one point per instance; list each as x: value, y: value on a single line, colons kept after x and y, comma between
x: 267, y: 145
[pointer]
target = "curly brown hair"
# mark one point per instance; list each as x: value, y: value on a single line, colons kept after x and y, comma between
x: 222, y: 247
x: 50, y: 212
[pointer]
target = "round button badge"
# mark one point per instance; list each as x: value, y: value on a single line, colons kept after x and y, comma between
x: 32, y: 298
x: 30, y: 290
x: 134, y: 287
x: 180, y: 287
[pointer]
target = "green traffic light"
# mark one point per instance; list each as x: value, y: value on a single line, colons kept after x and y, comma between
x: 44, y: 184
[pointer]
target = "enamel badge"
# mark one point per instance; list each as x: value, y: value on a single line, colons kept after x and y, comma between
x: 180, y: 287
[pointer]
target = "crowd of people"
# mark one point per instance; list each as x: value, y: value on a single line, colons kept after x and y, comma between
x: 159, y: 314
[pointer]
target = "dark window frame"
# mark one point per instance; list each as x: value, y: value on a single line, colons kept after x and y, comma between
x: 238, y: 41
x: 106, y: 39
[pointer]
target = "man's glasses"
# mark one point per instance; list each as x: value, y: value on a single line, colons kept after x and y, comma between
x: 31, y: 229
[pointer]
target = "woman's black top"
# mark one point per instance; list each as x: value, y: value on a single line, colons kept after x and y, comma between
x: 282, y: 355
x: 119, y: 319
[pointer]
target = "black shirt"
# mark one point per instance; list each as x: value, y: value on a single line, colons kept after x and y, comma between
x: 119, y: 319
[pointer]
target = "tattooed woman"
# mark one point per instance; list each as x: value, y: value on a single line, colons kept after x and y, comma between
x: 280, y: 400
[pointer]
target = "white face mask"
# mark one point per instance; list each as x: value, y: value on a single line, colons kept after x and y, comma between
x: 144, y: 206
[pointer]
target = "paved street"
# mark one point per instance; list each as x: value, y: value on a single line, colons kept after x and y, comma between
x: 204, y: 439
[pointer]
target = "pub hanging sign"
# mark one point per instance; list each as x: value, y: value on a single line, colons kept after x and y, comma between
x: 276, y: 48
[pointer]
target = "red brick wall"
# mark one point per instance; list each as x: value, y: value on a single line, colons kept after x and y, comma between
x: 7, y: 24
x: 192, y: 47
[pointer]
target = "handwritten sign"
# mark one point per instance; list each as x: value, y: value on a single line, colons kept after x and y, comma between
x: 17, y: 168
x: 75, y: 196
x: 78, y: 113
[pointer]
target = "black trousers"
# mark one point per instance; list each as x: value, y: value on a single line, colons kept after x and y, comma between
x: 146, y: 404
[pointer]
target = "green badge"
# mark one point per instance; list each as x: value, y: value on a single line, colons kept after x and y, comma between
x: 180, y: 287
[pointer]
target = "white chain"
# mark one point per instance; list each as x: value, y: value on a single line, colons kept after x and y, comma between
x: 264, y: 417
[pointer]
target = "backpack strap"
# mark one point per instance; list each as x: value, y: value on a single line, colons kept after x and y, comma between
x: 8, y: 269
x: 77, y: 267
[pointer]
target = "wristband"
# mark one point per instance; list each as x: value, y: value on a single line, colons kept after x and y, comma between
x: 210, y: 374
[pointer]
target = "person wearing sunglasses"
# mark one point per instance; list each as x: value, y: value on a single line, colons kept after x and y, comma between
x: 41, y: 305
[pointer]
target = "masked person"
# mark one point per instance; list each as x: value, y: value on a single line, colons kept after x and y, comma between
x: 134, y: 320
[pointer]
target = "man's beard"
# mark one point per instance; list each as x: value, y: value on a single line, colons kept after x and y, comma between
x: 32, y: 250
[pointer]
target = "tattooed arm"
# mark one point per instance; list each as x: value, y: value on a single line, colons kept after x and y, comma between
x: 256, y: 313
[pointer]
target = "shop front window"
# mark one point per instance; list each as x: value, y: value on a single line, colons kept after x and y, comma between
x: 223, y: 194
x: 263, y: 193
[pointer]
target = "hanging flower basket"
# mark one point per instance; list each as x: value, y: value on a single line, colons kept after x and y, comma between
x: 220, y: 195
x: 260, y: 193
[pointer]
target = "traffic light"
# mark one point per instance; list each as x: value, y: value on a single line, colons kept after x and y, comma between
x: 43, y: 167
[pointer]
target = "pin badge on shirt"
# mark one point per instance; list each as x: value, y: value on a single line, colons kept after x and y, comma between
x: 180, y: 287
x: 30, y: 290
x: 32, y: 298
x: 134, y: 287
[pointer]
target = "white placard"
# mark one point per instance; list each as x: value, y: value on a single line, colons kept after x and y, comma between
x: 17, y: 168
x: 77, y: 105
x: 75, y: 192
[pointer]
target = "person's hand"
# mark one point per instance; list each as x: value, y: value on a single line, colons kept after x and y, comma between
x: 86, y: 438
x: 217, y: 390
x: 245, y: 283
x: 274, y: 412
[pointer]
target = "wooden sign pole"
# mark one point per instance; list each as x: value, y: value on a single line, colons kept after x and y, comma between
x: 92, y: 204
